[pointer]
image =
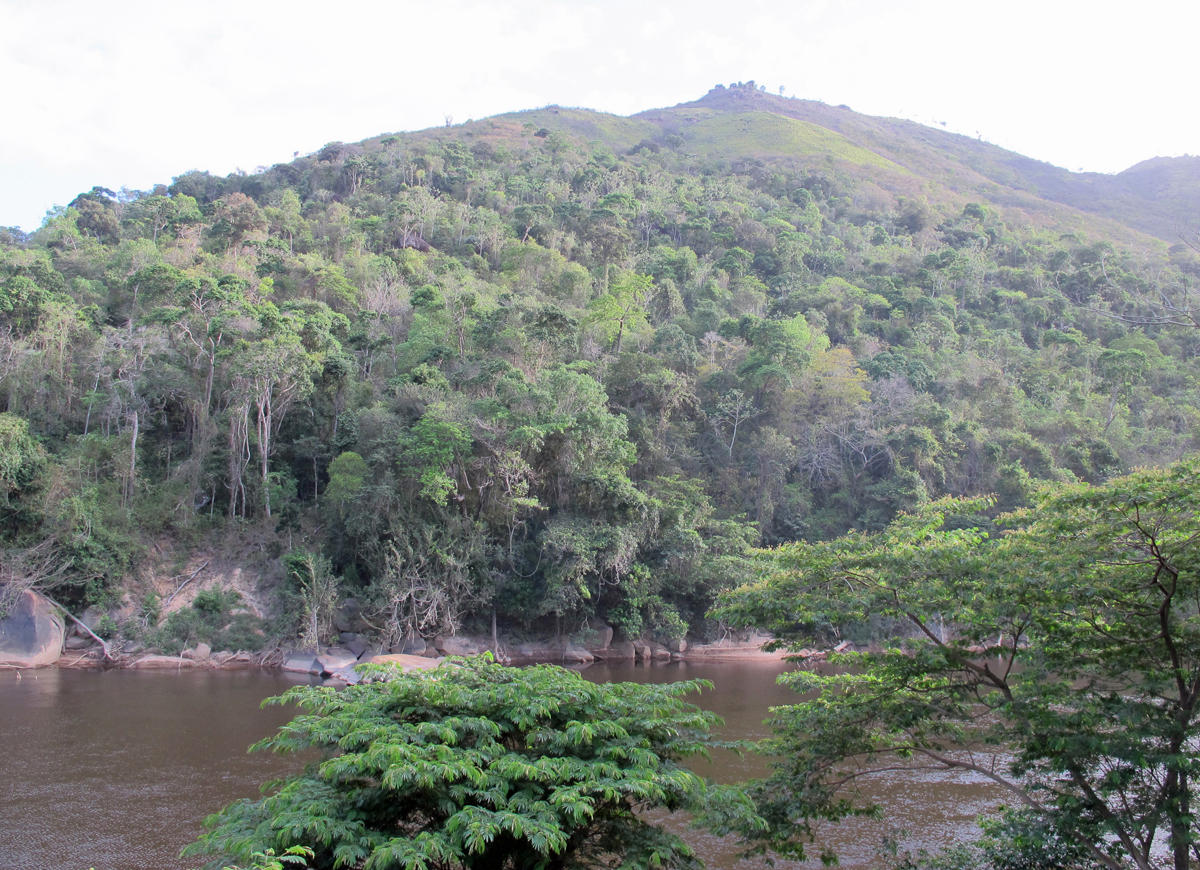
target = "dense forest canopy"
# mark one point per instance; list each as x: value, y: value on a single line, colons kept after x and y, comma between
x: 558, y: 366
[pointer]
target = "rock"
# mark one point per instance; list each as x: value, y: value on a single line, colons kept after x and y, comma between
x: 641, y: 651
x: 659, y: 653
x: 354, y: 642
x: 90, y: 617
x: 554, y: 652
x: 202, y: 652
x: 597, y: 638
x: 678, y: 645
x: 532, y: 652
x: 158, y: 663
x: 231, y: 661
x: 32, y: 634
x: 335, y: 658
x: 302, y: 663
x: 347, y: 675
x: 746, y: 648
x: 349, y: 617
x: 622, y: 651
x: 525, y: 654
x: 576, y: 655
x: 411, y: 646
x: 89, y: 658
x: 78, y: 642
x: 406, y: 662
x: 461, y: 645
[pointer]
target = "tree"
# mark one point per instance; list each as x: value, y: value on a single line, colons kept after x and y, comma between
x: 622, y: 308
x: 1060, y: 659
x: 475, y: 765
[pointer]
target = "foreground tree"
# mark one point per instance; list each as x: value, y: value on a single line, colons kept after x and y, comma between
x: 1060, y: 659
x: 475, y: 765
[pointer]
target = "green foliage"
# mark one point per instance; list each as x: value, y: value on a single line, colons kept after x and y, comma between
x: 347, y: 475
x: 431, y: 448
x: 621, y: 310
x: 477, y: 765
x: 1058, y: 659
x: 316, y: 588
x: 215, y: 617
x: 519, y: 333
x: 293, y: 856
x: 22, y: 463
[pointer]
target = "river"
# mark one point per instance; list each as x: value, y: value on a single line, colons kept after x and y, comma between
x: 116, y: 769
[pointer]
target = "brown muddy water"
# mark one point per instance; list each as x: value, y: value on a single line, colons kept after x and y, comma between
x: 116, y: 770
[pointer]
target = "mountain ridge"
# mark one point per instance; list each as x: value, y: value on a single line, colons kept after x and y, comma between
x: 1154, y: 197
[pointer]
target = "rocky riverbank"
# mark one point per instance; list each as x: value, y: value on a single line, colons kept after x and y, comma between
x: 35, y: 634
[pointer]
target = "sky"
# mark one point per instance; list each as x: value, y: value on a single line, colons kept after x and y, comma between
x: 126, y: 93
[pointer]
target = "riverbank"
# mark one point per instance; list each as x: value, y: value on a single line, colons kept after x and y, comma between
x: 338, y: 662
x: 36, y: 634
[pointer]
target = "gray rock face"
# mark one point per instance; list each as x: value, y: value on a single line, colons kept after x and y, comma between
x: 32, y: 634
x: 201, y: 652
x: 622, y: 651
x: 336, y: 658
x: 556, y: 652
x: 598, y: 638
x: 576, y: 655
x: 461, y: 645
x: 353, y: 642
x: 349, y: 617
x: 659, y: 653
x: 302, y: 663
x: 410, y: 646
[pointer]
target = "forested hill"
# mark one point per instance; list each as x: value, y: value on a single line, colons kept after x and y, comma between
x: 559, y: 365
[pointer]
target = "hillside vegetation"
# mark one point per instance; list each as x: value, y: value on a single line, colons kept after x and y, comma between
x: 559, y: 366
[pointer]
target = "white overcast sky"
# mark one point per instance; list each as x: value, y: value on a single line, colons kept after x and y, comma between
x: 125, y: 93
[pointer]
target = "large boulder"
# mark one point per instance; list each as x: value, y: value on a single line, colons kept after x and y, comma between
x: 411, y: 646
x: 597, y: 638
x: 621, y: 651
x: 302, y: 663
x: 461, y: 645
x: 576, y: 655
x: 201, y: 652
x: 556, y: 652
x: 31, y: 636
x: 348, y: 617
x: 659, y: 653
x: 336, y: 658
